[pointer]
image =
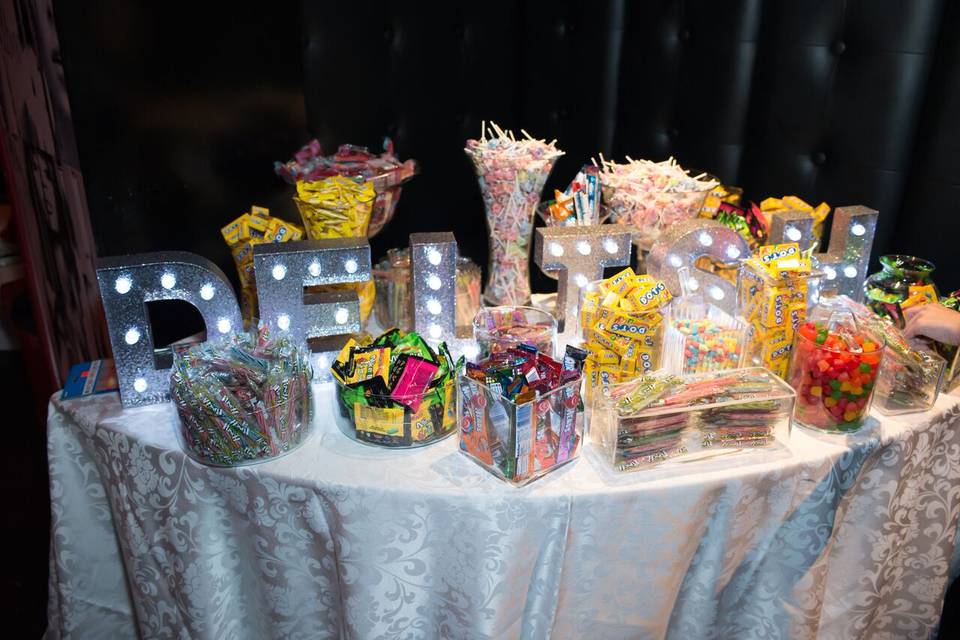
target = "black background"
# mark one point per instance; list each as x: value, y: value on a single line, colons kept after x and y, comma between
x: 181, y: 108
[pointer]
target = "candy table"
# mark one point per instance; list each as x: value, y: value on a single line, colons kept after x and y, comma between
x: 832, y: 539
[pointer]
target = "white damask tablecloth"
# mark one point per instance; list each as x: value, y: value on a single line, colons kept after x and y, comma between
x: 842, y: 539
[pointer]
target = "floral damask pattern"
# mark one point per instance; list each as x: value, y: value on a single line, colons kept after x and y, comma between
x: 838, y: 540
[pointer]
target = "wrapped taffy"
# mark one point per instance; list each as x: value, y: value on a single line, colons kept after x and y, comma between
x: 774, y: 288
x: 254, y: 227
x: 622, y: 322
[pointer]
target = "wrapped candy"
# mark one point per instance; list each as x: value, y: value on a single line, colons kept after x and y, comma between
x: 622, y: 324
x: 520, y: 413
x: 497, y: 329
x: 241, y: 402
x: 335, y: 207
x: 252, y: 228
x: 396, y: 391
x: 658, y: 417
x: 511, y: 174
x: 578, y: 204
x: 385, y: 172
x: 793, y: 203
x: 392, y: 279
x: 652, y: 196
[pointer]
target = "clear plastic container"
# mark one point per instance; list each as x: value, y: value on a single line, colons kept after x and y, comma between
x: 497, y: 329
x: 398, y: 422
x: 834, y: 372
x: 774, y: 309
x: 908, y: 381
x: 519, y: 443
x: 701, y: 337
x: 641, y: 423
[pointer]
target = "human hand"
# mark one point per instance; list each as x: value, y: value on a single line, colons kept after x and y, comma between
x: 933, y: 321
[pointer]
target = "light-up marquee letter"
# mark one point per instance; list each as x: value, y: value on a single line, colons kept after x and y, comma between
x: 579, y: 255
x: 681, y: 245
x: 851, y: 238
x: 127, y: 283
x: 283, y: 270
x: 433, y: 270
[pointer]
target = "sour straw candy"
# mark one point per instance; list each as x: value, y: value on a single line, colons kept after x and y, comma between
x: 655, y: 417
x: 242, y: 402
x: 385, y: 172
x: 511, y: 173
x: 652, y: 196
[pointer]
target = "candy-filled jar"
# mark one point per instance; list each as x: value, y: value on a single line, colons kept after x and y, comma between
x: 900, y: 277
x: 834, y: 370
x: 511, y: 174
x: 497, y: 329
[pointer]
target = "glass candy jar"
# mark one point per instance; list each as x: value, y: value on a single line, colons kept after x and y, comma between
x: 890, y: 286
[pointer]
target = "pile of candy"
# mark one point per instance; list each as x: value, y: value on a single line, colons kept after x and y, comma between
x: 701, y: 337
x: 335, y: 207
x: 652, y: 196
x: 243, y: 401
x: 396, y: 391
x: 770, y: 206
x: 512, y: 174
x: 653, y: 418
x: 833, y: 371
x: 391, y: 277
x: 621, y: 319
x: 385, y: 172
x: 497, y: 329
x: 240, y: 235
x: 773, y: 299
x: 518, y: 412
x: 579, y: 203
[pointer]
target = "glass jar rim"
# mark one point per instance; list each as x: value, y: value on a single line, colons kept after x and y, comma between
x: 879, y: 340
x: 521, y: 307
x: 903, y: 262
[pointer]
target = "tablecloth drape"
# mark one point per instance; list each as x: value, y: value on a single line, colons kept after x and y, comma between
x: 832, y: 539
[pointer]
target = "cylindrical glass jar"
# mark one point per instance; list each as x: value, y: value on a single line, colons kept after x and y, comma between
x: 393, y: 300
x: 497, y: 329
x: 891, y: 285
x: 834, y: 374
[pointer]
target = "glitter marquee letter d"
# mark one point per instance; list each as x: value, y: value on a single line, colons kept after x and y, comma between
x: 127, y: 283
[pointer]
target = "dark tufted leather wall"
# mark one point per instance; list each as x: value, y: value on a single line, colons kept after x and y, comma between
x: 852, y: 102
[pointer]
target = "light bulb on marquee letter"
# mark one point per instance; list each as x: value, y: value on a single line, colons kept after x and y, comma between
x: 846, y: 262
x: 127, y: 283
x: 580, y: 255
x: 433, y: 259
x: 287, y: 310
x: 681, y: 245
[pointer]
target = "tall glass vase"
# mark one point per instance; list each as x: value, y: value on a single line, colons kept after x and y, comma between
x: 511, y: 190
